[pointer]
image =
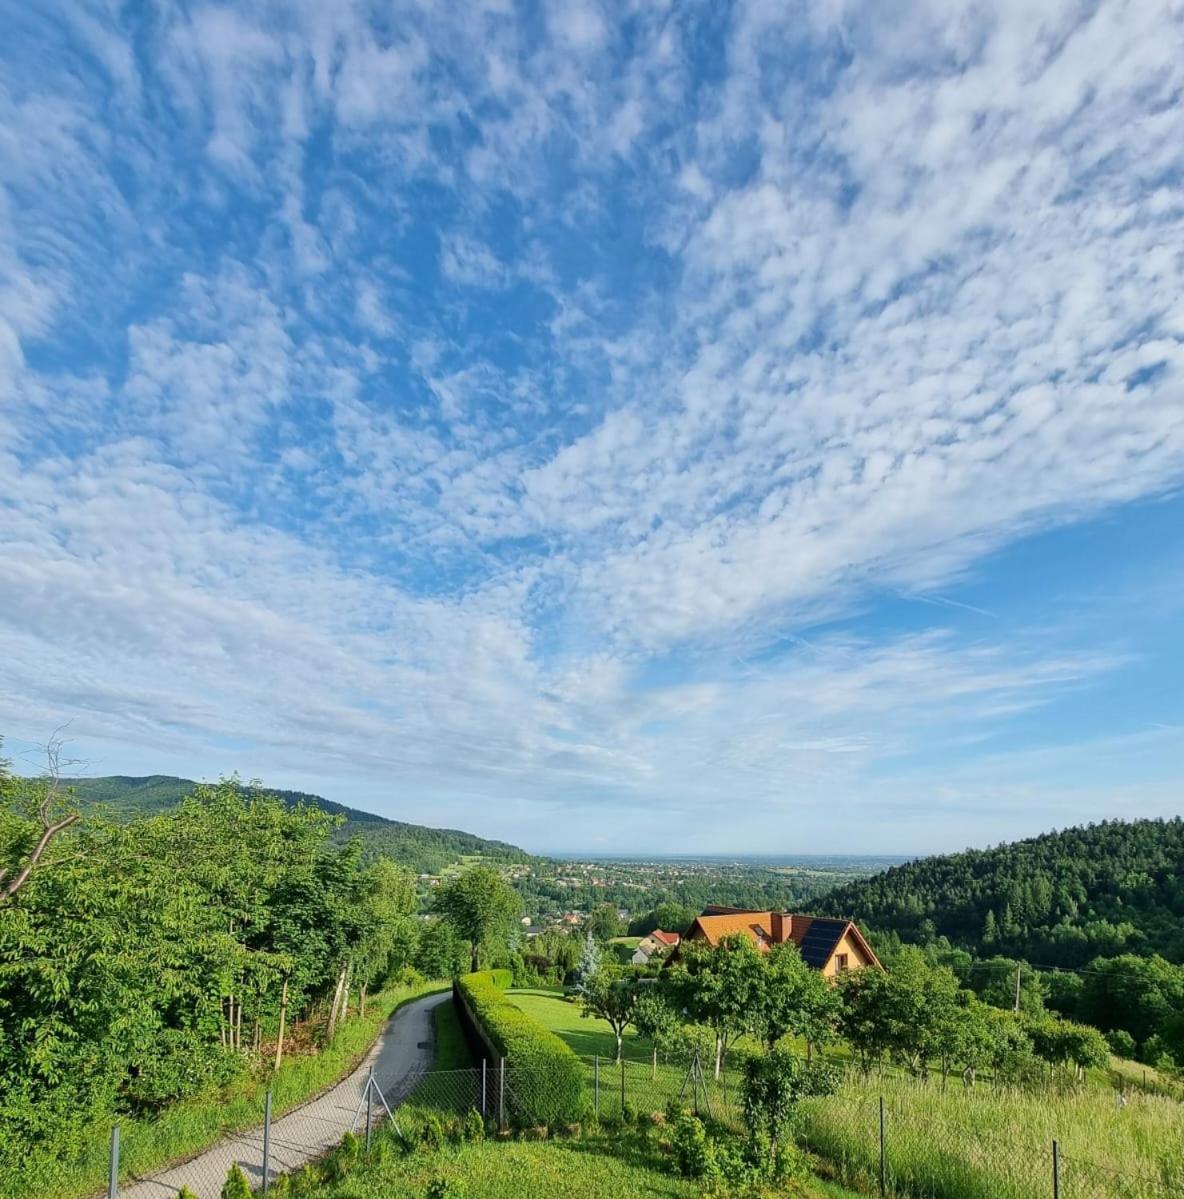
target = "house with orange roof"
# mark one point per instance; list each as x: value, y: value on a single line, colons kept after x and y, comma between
x: 656, y: 944
x: 830, y: 946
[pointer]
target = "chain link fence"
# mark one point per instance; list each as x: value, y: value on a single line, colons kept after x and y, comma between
x: 886, y: 1144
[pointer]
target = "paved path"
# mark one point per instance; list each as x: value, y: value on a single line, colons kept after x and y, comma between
x: 401, y: 1054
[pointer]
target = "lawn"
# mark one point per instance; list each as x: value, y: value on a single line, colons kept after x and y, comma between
x: 646, y: 1088
x: 578, y: 1169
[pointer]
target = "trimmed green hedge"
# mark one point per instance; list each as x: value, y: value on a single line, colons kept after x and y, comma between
x: 545, y: 1079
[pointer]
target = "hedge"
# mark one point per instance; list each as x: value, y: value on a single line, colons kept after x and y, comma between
x: 544, y: 1078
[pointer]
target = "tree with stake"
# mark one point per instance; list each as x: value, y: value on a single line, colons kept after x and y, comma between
x: 719, y: 987
x: 611, y: 995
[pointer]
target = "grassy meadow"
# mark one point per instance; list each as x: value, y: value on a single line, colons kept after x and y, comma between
x: 942, y: 1142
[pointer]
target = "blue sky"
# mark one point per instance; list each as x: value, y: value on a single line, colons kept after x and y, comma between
x: 719, y: 427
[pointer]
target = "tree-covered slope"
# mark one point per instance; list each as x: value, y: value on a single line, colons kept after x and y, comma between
x: 421, y: 848
x: 1063, y: 898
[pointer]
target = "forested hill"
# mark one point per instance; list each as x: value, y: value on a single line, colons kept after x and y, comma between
x: 425, y: 850
x: 1062, y: 899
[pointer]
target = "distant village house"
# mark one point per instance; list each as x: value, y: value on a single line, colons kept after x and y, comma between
x: 657, y: 944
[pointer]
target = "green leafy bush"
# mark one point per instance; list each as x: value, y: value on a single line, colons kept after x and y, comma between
x: 694, y: 1154
x: 445, y: 1188
x: 544, y: 1075
x: 474, y: 1126
x: 431, y: 1132
x: 236, y: 1185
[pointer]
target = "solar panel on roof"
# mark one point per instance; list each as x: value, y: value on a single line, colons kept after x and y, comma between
x: 820, y: 940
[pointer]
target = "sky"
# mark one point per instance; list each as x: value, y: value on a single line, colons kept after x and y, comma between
x: 708, y: 426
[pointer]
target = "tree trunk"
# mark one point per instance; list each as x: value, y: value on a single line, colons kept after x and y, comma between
x: 476, y: 957
x: 654, y: 1066
x: 238, y: 1026
x: 362, y: 1001
x: 279, y: 1044
x: 619, y: 1044
x: 719, y: 1054
x: 332, y: 1026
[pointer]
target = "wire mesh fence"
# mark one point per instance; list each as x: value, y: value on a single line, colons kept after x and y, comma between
x: 880, y: 1136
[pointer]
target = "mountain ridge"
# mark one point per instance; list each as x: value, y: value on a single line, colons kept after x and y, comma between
x: 1062, y: 898
x: 424, y: 848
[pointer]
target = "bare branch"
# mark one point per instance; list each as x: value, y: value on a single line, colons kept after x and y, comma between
x: 49, y: 816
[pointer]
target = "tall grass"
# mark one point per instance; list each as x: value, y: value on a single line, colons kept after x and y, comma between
x: 65, y: 1171
x: 997, y: 1144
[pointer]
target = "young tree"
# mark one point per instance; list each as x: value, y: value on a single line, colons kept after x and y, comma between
x: 656, y: 1020
x: 589, y: 964
x: 719, y: 986
x: 612, y: 996
x: 792, y: 998
x: 481, y: 906
x: 863, y: 1017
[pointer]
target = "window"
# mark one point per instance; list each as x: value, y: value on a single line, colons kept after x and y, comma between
x: 841, y: 961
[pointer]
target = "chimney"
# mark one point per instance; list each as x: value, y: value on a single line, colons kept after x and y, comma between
x: 781, y: 924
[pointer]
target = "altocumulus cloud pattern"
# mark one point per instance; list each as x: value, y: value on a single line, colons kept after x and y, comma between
x: 601, y: 410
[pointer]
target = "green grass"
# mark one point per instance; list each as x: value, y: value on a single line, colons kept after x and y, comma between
x: 452, y: 1085
x: 997, y: 1144
x: 943, y: 1142
x: 598, y: 1168
x: 452, y: 1050
x: 193, y: 1125
x: 646, y: 1088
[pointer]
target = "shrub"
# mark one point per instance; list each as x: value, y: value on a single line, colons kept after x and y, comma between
x: 628, y: 1114
x: 473, y: 1128
x: 186, y: 1193
x: 445, y: 1188
x: 431, y: 1131
x: 343, y: 1158
x: 694, y: 1155
x: 236, y: 1185
x: 547, y: 1082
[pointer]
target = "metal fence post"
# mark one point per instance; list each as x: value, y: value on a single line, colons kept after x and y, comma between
x: 597, y: 1104
x: 1056, y: 1171
x: 883, y: 1155
x: 501, y: 1097
x: 484, y: 1105
x: 266, y: 1138
x: 369, y: 1105
x: 113, y: 1174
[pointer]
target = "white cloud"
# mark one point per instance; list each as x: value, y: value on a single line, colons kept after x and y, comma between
x: 472, y: 403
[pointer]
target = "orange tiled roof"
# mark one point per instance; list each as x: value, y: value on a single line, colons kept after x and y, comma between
x: 666, y: 938
x: 754, y: 925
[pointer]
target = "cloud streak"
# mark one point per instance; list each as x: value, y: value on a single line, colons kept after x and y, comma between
x: 470, y: 407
